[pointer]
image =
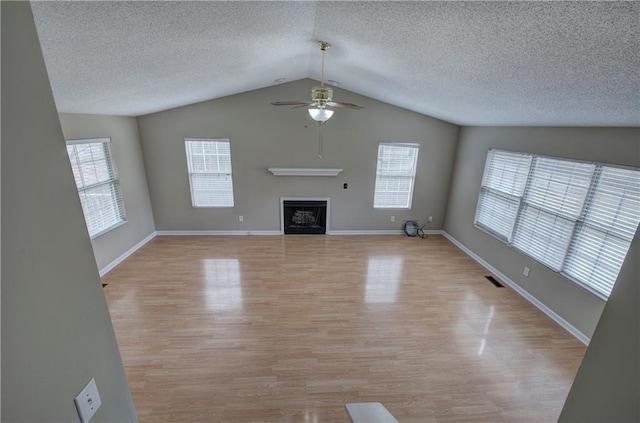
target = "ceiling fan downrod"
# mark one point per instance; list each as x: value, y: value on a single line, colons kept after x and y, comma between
x: 323, y: 46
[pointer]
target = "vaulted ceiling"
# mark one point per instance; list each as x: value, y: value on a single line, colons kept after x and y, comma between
x: 469, y: 63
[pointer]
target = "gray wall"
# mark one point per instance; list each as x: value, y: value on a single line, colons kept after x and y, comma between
x: 56, y: 331
x: 607, y: 386
x: 611, y: 145
x: 127, y: 153
x: 264, y: 136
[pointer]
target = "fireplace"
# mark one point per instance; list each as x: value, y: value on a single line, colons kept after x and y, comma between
x: 304, y: 215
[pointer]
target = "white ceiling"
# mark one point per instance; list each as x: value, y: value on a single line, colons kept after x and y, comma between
x: 469, y: 63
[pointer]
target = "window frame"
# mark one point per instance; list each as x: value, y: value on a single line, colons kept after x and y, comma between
x: 411, y: 177
x: 116, y: 197
x: 573, y: 247
x: 191, y: 172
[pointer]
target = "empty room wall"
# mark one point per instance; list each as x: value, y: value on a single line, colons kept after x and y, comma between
x: 264, y: 136
x: 56, y: 330
x: 610, y: 145
x: 607, y: 386
x: 127, y: 153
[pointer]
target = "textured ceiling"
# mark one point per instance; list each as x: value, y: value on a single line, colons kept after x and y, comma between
x: 469, y: 63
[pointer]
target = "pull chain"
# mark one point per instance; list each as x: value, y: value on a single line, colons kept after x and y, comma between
x: 320, y: 141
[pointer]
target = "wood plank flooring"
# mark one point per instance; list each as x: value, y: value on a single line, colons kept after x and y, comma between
x: 291, y: 328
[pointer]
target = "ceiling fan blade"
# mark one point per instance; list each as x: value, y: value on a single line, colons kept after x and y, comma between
x: 292, y: 103
x: 339, y: 105
x: 312, y: 103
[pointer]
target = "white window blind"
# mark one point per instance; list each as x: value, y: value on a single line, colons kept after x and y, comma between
x: 395, y: 175
x: 209, y: 165
x: 604, y: 235
x: 553, y: 203
x: 576, y: 218
x: 98, y: 186
x: 503, y: 184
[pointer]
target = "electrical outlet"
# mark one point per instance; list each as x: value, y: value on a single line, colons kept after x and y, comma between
x: 430, y: 219
x: 88, y: 401
x: 526, y: 272
x: 393, y: 218
x: 240, y: 218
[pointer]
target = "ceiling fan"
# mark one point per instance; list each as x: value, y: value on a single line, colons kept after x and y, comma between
x: 321, y: 97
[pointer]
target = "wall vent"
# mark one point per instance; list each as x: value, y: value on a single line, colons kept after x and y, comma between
x: 494, y: 281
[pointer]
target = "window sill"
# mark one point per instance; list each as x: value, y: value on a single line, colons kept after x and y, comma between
x: 109, y: 229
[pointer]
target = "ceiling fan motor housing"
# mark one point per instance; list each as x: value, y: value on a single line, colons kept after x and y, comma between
x: 321, y: 95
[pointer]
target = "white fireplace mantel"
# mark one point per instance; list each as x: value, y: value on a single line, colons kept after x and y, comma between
x: 303, y: 171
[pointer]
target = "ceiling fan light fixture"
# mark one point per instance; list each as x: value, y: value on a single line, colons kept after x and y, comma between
x: 320, y: 114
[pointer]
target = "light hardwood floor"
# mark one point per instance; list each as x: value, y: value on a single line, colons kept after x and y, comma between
x: 290, y: 328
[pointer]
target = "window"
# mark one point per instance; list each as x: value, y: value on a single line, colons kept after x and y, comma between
x: 604, y: 235
x: 209, y: 165
x: 98, y: 186
x: 395, y: 176
x: 551, y: 207
x: 503, y: 184
x: 576, y: 218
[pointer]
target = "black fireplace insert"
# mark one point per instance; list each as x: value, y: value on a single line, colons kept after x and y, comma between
x: 305, y: 217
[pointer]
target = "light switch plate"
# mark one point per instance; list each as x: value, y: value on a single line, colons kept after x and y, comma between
x: 88, y: 401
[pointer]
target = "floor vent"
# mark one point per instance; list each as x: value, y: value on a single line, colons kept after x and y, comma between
x: 494, y: 281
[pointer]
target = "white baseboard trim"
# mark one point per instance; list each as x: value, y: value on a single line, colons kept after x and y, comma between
x: 435, y: 232
x: 332, y: 232
x: 533, y: 300
x: 382, y: 232
x: 357, y: 232
x: 206, y: 233
x: 126, y: 254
